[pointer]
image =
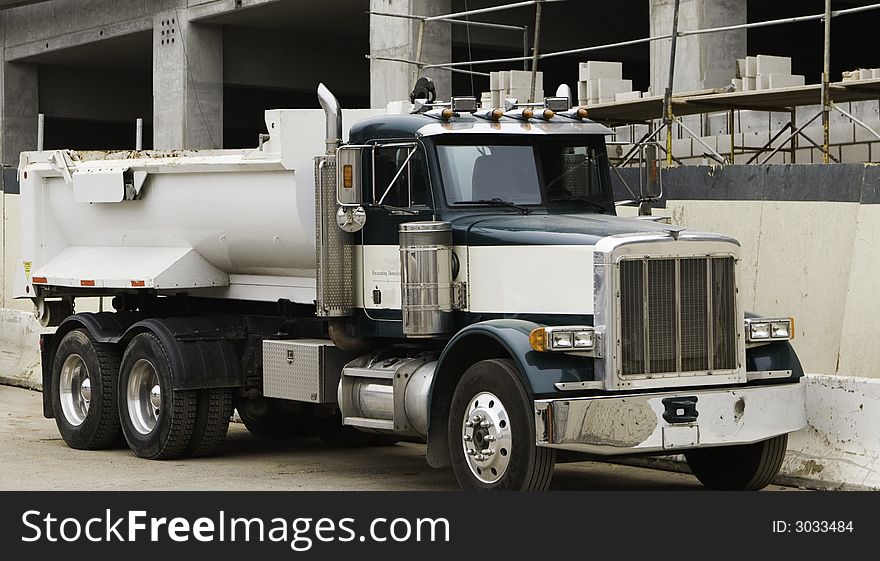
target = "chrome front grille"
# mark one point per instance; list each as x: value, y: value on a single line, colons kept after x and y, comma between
x: 677, y: 315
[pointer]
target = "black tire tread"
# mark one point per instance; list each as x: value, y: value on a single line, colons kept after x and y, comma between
x: 108, y: 429
x: 183, y: 415
x: 215, y: 408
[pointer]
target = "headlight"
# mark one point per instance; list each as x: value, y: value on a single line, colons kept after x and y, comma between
x: 568, y: 338
x: 769, y: 329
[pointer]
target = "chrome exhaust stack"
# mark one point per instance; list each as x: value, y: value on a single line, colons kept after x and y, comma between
x: 333, y: 111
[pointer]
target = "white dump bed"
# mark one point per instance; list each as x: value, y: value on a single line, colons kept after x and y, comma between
x: 228, y: 223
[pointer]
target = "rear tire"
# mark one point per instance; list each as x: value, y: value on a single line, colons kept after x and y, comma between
x: 748, y: 467
x: 269, y: 418
x: 157, y: 421
x: 497, y: 452
x: 212, y: 422
x: 84, y: 375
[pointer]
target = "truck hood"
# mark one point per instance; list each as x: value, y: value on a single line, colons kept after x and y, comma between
x: 547, y: 229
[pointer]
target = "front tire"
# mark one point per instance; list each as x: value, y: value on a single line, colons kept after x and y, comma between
x: 748, y: 467
x: 492, y: 432
x: 157, y: 421
x: 84, y: 374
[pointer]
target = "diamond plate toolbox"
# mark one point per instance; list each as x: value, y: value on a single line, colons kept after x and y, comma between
x: 303, y: 370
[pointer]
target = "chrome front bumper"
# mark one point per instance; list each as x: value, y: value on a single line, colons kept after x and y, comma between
x: 634, y: 423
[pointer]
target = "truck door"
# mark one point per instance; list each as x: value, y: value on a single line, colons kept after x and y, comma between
x: 399, y: 192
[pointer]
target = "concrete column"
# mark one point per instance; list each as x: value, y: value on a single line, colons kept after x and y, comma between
x: 701, y: 61
x: 19, y: 105
x: 187, y: 83
x: 398, y: 38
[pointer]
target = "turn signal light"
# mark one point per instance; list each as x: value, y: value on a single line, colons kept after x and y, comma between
x: 538, y: 339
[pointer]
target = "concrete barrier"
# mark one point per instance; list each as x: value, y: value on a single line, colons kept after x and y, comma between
x: 20, y: 349
x: 839, y: 449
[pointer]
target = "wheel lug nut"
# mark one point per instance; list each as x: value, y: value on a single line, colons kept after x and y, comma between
x: 479, y: 457
x: 477, y: 418
x: 468, y: 438
x: 488, y: 452
x: 469, y: 424
x: 489, y: 438
x: 485, y: 424
x: 471, y: 452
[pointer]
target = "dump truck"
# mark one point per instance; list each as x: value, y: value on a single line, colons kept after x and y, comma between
x: 447, y: 274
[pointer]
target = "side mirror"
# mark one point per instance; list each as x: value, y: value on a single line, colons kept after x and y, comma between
x: 349, y: 163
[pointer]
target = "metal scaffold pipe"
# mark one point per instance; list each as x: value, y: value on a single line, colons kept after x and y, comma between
x: 826, y: 78
x: 668, y: 117
x: 537, y: 43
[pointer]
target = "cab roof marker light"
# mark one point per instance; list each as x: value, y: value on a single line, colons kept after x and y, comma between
x: 576, y: 113
x: 39, y: 280
x: 490, y: 114
x: 444, y: 114
x: 521, y: 114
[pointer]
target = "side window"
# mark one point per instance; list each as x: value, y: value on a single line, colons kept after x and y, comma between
x: 401, y: 176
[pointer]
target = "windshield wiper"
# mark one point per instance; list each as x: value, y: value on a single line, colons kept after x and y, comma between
x: 496, y: 202
x: 593, y: 204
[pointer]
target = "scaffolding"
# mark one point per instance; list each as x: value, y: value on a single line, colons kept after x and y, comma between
x: 670, y: 107
x: 661, y: 113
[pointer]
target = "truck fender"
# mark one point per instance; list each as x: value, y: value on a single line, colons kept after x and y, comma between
x: 104, y: 327
x: 201, y: 352
x: 497, y: 338
x: 773, y: 356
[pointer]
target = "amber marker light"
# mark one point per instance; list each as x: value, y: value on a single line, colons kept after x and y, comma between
x: 347, y: 176
x: 538, y: 339
x: 496, y: 114
x: 447, y: 113
x: 581, y: 113
x: 527, y: 113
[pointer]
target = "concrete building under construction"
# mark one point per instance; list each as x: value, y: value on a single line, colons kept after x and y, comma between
x: 200, y: 74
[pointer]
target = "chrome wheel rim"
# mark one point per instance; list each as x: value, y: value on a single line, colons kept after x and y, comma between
x: 144, y: 396
x: 75, y: 389
x: 486, y: 437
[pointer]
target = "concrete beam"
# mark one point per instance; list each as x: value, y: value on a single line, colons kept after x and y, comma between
x: 398, y: 38
x: 48, y: 44
x: 187, y: 83
x: 205, y: 9
x: 701, y: 61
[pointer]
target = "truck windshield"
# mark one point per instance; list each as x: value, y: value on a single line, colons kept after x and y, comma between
x: 546, y: 171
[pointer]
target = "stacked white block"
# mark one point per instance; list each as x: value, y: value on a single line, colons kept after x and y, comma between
x: 515, y: 84
x: 862, y: 74
x: 765, y: 72
x: 603, y: 82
